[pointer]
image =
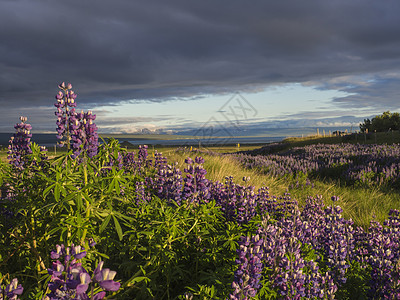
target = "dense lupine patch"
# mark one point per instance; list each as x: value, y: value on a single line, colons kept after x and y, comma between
x: 171, y: 233
x: 284, y: 250
x: 364, y: 164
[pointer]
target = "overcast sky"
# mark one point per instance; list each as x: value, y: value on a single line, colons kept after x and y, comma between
x: 180, y: 64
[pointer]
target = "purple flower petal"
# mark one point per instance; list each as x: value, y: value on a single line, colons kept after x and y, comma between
x: 99, y: 296
x: 81, y: 288
x: 110, y: 285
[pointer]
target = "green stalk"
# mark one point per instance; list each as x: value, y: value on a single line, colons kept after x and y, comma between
x: 34, y: 246
x: 87, y: 215
x: 91, y: 292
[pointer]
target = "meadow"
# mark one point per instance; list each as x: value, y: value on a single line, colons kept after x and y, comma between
x: 99, y: 221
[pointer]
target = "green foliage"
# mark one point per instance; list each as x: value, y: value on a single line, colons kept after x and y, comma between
x: 57, y: 201
x: 160, y: 250
x: 381, y: 123
x: 170, y: 250
x: 356, y: 286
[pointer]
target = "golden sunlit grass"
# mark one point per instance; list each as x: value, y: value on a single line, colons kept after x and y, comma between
x: 359, y: 204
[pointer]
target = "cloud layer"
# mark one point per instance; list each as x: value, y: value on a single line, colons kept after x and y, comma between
x: 120, y: 50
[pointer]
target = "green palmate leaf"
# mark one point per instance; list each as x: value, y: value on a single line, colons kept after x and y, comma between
x: 118, y: 228
x: 105, y: 223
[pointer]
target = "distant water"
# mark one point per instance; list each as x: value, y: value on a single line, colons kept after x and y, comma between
x: 208, y: 141
x: 43, y: 139
x: 260, y: 137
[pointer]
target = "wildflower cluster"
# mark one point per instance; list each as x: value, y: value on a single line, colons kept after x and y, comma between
x: 20, y: 144
x: 307, y: 254
x: 238, y: 202
x: 70, y: 280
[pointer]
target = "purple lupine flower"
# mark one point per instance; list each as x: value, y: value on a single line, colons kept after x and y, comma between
x: 82, y: 287
x: 20, y: 144
x: 65, y: 100
x: 78, y: 251
x: 13, y: 290
x: 160, y: 161
x: 71, y: 280
x: 248, y: 273
x: 141, y: 195
x: 128, y: 161
x: 142, y: 155
x: 105, y: 278
x: 83, y: 132
x: 141, y: 161
x: 237, y: 202
x: 75, y: 129
x: 91, y: 141
x: 291, y: 232
x: 169, y: 182
x: 383, y: 255
x: 338, y: 241
x: 196, y: 186
x: 56, y: 269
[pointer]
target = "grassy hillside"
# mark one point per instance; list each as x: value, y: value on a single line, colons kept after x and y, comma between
x: 354, y: 138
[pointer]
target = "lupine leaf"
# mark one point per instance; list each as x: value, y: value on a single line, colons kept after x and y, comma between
x: 105, y: 223
x: 118, y: 228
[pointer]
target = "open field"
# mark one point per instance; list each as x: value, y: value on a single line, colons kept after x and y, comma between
x: 182, y: 227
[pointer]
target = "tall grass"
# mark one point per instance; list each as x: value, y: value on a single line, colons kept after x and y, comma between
x: 358, y: 203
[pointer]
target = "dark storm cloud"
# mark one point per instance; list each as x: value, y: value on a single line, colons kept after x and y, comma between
x: 158, y: 50
x: 371, y: 93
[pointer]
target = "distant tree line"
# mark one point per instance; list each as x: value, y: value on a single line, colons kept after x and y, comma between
x: 384, y: 122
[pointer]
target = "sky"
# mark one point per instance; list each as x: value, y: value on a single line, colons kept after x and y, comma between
x: 175, y: 66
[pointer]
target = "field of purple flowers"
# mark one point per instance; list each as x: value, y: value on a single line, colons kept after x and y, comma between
x: 355, y: 164
x: 99, y: 222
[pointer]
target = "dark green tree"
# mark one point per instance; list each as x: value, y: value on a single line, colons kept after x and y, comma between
x: 366, y: 126
x: 384, y: 122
